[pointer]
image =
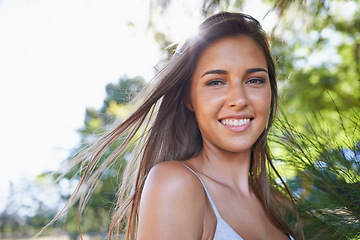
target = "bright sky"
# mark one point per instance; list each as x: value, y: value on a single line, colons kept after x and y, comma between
x: 55, y: 59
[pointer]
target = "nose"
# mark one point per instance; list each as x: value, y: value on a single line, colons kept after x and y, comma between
x: 237, y: 97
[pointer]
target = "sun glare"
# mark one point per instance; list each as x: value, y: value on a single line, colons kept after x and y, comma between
x: 179, y: 21
x: 183, y: 28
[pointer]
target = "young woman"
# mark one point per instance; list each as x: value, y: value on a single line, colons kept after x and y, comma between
x: 199, y: 167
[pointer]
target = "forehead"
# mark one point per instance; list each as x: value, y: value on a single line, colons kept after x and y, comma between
x: 238, y: 51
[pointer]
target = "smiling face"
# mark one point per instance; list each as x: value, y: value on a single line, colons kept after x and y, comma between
x: 230, y: 94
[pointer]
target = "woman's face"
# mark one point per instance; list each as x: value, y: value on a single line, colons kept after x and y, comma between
x: 230, y: 94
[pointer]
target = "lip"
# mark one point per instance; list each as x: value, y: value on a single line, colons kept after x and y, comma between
x: 241, y: 128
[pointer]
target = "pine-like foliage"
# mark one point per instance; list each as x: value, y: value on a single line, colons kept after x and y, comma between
x: 323, y: 174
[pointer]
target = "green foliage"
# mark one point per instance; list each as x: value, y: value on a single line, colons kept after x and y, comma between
x: 117, y: 97
x: 318, y: 61
x: 26, y: 210
x: 326, y: 185
x: 96, y: 217
x: 317, y: 137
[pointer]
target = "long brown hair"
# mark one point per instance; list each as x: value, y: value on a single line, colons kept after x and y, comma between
x: 164, y: 129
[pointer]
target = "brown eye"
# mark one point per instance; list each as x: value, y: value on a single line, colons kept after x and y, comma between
x: 256, y: 81
x: 216, y: 82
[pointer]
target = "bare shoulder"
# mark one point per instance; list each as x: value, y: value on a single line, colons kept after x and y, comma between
x: 173, y: 181
x: 173, y: 172
x: 172, y: 204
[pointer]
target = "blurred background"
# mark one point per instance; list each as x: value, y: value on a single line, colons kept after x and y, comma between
x: 69, y: 68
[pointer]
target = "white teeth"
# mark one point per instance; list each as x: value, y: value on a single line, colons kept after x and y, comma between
x: 236, y: 122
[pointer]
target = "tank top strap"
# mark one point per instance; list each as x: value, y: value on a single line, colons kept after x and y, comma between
x: 206, y: 191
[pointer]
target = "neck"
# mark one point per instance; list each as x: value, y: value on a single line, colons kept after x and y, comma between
x: 228, y: 168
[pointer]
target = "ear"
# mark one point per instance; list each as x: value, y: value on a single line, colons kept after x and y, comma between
x: 186, y: 98
x: 188, y: 105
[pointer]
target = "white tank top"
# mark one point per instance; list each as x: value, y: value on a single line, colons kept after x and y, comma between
x: 223, y: 230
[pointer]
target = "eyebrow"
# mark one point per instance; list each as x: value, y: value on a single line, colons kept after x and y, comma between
x: 224, y: 72
x: 252, y: 70
x: 218, y: 71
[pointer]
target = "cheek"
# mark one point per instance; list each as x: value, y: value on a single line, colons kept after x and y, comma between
x: 268, y: 103
x: 202, y: 109
x: 262, y: 103
x: 202, y: 99
x: 206, y: 106
x: 267, y: 106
